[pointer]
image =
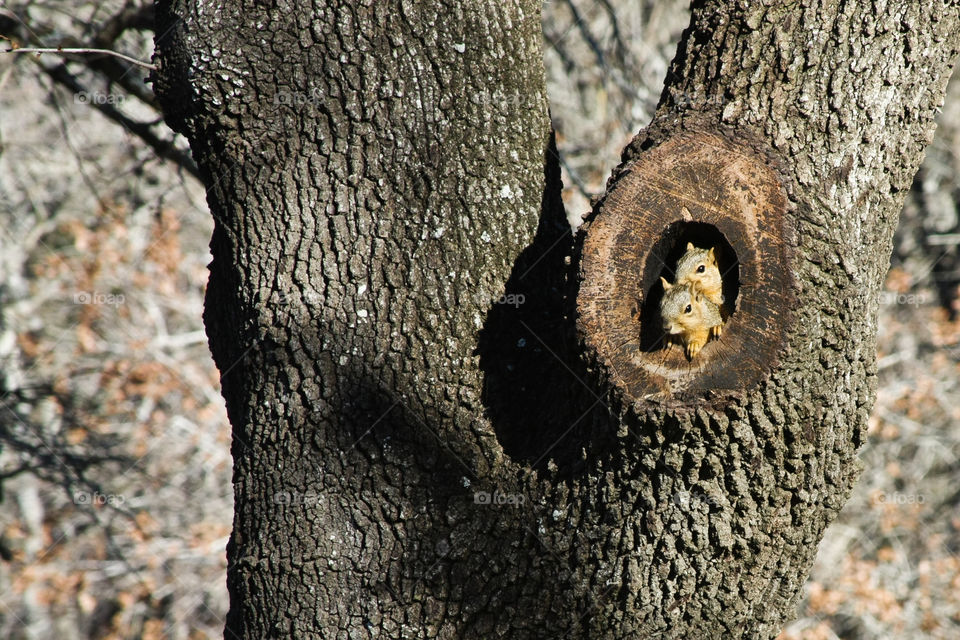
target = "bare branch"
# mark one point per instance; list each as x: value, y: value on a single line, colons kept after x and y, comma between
x: 62, y: 50
x: 163, y: 148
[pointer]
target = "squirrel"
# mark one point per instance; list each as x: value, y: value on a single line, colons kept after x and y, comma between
x: 699, y: 266
x: 688, y: 312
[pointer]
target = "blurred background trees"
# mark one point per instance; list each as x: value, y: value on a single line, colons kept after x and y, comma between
x: 115, y: 465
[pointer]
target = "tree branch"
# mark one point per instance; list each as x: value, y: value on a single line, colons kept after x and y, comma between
x: 84, y: 50
x: 163, y: 148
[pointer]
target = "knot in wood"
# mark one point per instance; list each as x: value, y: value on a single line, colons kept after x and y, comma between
x: 709, y: 190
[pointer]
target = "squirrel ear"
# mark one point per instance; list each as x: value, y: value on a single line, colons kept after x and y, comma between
x: 690, y: 246
x: 666, y: 285
x: 710, y: 253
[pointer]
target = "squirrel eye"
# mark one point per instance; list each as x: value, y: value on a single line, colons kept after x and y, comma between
x: 688, y: 309
x: 701, y: 268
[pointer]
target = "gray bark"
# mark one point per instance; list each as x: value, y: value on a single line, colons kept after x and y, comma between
x: 380, y: 175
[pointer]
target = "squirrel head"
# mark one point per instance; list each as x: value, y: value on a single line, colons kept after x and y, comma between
x: 696, y: 261
x: 700, y: 266
x: 681, y: 308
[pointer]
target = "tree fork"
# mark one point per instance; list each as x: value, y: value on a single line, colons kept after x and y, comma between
x: 377, y: 394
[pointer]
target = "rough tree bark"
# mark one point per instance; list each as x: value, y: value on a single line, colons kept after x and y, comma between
x: 424, y: 445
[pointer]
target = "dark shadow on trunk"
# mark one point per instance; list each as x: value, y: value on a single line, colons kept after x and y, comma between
x: 536, y: 387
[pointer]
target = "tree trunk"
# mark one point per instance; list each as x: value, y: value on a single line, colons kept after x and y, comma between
x: 434, y: 435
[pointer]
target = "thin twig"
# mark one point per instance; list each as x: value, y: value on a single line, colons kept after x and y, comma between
x: 163, y: 148
x: 108, y: 52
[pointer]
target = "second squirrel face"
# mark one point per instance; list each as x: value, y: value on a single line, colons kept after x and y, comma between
x: 699, y: 266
